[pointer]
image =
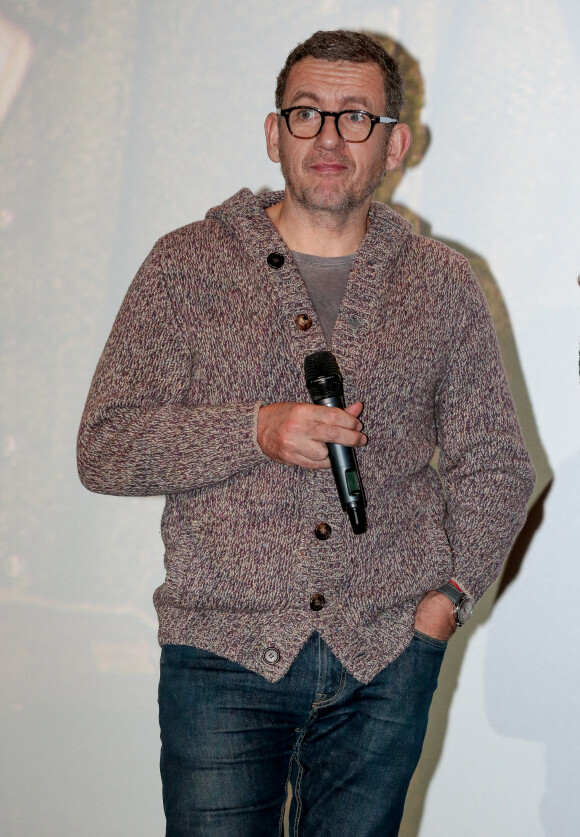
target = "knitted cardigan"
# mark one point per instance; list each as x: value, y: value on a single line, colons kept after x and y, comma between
x: 206, y: 334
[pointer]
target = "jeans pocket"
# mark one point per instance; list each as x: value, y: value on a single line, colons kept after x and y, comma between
x: 430, y: 640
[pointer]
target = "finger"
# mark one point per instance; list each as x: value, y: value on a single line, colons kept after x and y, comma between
x: 354, y: 409
x: 338, y: 435
x: 312, y: 464
x: 313, y: 455
x: 338, y: 417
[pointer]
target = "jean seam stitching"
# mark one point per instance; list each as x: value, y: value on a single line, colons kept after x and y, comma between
x: 283, y: 809
x: 322, y: 669
x: 339, y: 692
x: 297, y: 788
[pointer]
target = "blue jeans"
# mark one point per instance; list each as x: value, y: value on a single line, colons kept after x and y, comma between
x: 231, y: 740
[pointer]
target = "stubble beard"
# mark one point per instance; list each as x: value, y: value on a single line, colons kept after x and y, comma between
x: 318, y: 199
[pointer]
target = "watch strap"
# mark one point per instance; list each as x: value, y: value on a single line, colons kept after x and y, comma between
x: 462, y: 603
x: 453, y: 593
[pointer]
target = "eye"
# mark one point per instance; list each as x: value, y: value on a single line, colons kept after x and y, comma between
x: 357, y: 117
x: 307, y: 114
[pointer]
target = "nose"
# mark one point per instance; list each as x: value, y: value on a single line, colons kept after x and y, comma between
x: 329, y: 137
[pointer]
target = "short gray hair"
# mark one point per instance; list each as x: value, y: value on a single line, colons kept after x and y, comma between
x: 343, y: 45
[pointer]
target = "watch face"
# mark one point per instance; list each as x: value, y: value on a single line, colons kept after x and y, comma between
x: 465, y: 610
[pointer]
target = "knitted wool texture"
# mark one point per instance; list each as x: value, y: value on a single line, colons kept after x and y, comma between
x: 205, y: 335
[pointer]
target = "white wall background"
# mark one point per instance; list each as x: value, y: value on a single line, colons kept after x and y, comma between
x: 100, y: 155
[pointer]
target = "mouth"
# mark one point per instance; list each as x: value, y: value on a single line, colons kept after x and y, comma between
x: 329, y: 167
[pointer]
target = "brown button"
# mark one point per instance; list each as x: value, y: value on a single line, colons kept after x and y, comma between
x: 322, y: 531
x: 303, y: 321
x: 317, y: 601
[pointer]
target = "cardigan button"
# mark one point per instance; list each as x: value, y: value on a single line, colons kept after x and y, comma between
x: 271, y: 656
x: 303, y: 321
x: 275, y: 260
x: 322, y: 531
x: 317, y: 601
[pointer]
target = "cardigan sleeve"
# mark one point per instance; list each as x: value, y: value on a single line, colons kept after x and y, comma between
x: 138, y: 434
x: 484, y: 466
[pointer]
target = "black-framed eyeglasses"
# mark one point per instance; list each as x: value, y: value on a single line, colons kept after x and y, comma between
x: 305, y: 122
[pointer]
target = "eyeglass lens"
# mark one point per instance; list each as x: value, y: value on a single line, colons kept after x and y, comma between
x: 306, y: 122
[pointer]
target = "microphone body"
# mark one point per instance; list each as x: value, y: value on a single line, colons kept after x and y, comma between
x: 324, y: 384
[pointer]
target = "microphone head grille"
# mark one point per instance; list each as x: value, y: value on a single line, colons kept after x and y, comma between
x: 320, y: 365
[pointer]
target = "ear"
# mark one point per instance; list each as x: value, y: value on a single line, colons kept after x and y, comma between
x: 271, y: 129
x: 419, y: 146
x: 399, y: 143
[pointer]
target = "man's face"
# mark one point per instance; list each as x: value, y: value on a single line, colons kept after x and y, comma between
x: 326, y: 173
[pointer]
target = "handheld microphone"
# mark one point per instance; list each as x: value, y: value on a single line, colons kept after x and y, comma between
x: 324, y: 383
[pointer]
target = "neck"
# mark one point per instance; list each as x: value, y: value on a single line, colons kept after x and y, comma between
x: 320, y: 233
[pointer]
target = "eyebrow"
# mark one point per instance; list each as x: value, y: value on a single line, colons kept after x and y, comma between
x: 358, y: 101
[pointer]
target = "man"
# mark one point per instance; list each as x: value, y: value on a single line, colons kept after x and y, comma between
x: 292, y: 647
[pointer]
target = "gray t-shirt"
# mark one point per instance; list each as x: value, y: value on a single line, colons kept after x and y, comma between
x: 325, y: 279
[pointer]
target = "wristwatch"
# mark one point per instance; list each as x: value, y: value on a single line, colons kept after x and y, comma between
x: 462, y: 603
